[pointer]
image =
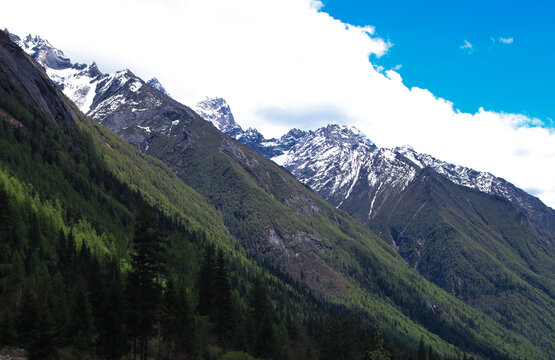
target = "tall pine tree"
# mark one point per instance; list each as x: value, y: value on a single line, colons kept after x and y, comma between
x: 144, y: 291
x: 206, y: 280
x: 179, y: 320
x: 224, y: 324
x: 112, y: 342
x: 265, y: 339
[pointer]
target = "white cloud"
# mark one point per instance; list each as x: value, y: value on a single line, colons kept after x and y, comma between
x: 316, y: 4
x: 283, y: 63
x: 506, y: 41
x: 468, y: 47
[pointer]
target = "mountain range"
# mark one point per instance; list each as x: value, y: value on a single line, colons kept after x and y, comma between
x: 476, y: 236
x: 462, y: 229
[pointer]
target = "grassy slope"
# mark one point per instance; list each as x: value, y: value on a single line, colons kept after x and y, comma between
x: 480, y: 248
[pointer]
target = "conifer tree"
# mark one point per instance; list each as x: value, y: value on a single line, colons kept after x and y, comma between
x: 223, y: 308
x: 6, y: 217
x: 265, y: 341
x: 179, y: 320
x: 144, y: 287
x: 330, y: 347
x: 43, y: 333
x: 26, y: 317
x: 378, y: 352
x: 431, y: 354
x: 81, y: 318
x: 206, y: 281
x: 348, y: 338
x: 112, y: 342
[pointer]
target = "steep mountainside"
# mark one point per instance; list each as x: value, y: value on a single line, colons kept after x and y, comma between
x: 475, y: 235
x: 481, y: 248
x: 344, y: 159
x: 280, y: 221
x: 68, y: 191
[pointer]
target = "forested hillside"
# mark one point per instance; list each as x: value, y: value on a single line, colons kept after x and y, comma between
x: 106, y: 252
x: 72, y: 251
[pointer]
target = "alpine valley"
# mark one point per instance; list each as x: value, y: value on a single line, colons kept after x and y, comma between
x: 187, y: 237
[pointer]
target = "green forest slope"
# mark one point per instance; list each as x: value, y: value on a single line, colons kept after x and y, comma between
x: 66, y: 180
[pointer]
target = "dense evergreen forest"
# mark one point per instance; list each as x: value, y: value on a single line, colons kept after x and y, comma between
x: 95, y: 265
x: 60, y: 299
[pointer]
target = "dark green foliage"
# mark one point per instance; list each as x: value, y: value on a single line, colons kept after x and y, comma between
x: 264, y: 337
x: 43, y: 332
x: 215, y: 299
x: 81, y: 318
x: 112, y: 341
x: 421, y: 353
x: 179, y: 322
x: 378, y: 350
x: 26, y: 318
x: 144, y: 289
x: 8, y: 332
x: 347, y: 339
x: 339, y: 339
x: 206, y: 281
x: 224, y: 324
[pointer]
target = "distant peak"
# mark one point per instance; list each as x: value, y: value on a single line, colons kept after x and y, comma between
x: 155, y: 83
x: 344, y: 134
x: 42, y: 51
x: 404, y: 149
x: 35, y: 39
x: 212, y: 103
x: 93, y: 70
x: 217, y: 111
x: 295, y: 133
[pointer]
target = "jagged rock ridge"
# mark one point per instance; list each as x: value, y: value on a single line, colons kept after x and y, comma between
x: 344, y: 167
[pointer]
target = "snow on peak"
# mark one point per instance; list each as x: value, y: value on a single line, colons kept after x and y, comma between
x: 217, y: 111
x: 343, y: 135
x: 42, y: 51
x: 155, y: 83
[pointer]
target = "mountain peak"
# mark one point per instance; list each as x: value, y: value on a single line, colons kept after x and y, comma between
x: 345, y: 135
x: 155, y: 83
x: 42, y: 51
x: 94, y: 71
x: 217, y: 111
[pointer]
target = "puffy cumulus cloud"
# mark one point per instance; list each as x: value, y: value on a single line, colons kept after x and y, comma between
x: 287, y: 63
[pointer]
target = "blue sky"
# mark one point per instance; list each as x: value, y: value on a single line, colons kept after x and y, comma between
x: 427, y: 37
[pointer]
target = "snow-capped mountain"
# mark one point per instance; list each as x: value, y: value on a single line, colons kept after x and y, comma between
x: 344, y: 167
x: 358, y: 178
x: 217, y: 111
x: 77, y: 81
x: 155, y: 83
x: 41, y: 50
x: 340, y: 163
x: 121, y: 101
